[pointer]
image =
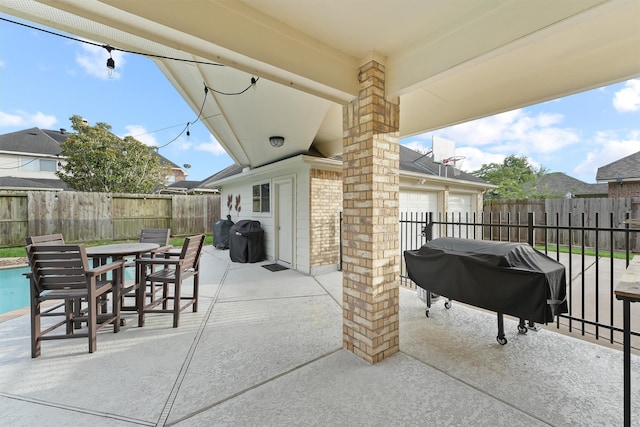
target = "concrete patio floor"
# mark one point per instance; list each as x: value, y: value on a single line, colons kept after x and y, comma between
x: 265, y: 349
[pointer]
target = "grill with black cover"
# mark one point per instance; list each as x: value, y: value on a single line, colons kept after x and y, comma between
x: 505, y: 277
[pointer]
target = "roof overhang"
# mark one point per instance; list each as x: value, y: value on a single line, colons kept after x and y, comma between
x: 447, y: 61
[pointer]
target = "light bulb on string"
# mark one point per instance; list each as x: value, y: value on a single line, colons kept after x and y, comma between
x: 111, y: 64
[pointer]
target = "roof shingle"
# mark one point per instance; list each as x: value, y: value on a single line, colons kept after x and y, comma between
x: 625, y: 168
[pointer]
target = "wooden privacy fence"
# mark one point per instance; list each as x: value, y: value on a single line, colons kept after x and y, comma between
x: 84, y: 217
x: 586, y: 215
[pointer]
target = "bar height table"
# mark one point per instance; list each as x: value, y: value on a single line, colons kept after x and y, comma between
x: 118, y: 251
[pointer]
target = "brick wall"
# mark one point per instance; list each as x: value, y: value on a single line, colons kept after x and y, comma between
x: 624, y: 189
x: 325, y: 207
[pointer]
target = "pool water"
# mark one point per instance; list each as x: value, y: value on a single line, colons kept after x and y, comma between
x: 14, y: 289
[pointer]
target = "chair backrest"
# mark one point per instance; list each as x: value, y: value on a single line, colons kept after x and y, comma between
x: 155, y: 235
x: 191, y: 252
x: 48, y: 239
x: 58, y: 266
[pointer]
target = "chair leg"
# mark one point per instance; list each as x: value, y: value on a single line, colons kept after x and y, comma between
x: 69, y: 310
x: 141, y: 295
x: 92, y: 320
x: 35, y: 326
x: 196, y: 288
x: 77, y: 311
x: 116, y: 289
x: 165, y: 294
x: 176, y: 301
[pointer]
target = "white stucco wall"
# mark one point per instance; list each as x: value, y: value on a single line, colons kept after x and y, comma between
x: 293, y: 170
x: 417, y: 194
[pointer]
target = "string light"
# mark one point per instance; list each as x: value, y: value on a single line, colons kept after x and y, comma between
x: 254, y: 80
x: 206, y: 91
x: 111, y: 65
x: 150, y: 55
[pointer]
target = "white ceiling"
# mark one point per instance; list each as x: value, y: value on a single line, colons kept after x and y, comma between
x: 448, y: 61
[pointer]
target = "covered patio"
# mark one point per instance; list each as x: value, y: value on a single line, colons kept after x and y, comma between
x: 351, y: 78
x: 265, y: 348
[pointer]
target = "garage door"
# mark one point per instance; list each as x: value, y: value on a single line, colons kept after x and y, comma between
x: 414, y: 208
x: 418, y: 202
x: 460, y: 210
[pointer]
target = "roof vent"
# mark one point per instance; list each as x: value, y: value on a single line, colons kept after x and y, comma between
x: 63, y: 131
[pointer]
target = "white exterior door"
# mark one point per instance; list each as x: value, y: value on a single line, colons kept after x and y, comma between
x: 284, y: 223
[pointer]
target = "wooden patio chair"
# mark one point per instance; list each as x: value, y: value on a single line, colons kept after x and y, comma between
x: 57, y: 239
x: 175, y: 270
x: 47, y: 239
x: 53, y: 239
x: 156, y: 235
x: 61, y: 272
x: 159, y: 236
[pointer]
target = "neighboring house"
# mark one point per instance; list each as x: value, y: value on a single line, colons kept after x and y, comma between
x: 559, y: 185
x: 187, y: 187
x: 177, y: 173
x: 622, y: 176
x: 298, y: 202
x: 29, y: 160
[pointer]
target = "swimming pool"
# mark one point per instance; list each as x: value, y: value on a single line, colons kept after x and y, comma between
x: 14, y: 289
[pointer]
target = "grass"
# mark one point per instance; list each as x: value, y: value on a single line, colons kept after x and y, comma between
x: 18, y: 251
x: 588, y: 252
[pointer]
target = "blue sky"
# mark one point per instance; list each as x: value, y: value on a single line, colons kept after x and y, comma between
x: 45, y: 79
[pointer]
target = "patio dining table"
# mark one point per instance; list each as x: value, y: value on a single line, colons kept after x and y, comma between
x: 117, y: 251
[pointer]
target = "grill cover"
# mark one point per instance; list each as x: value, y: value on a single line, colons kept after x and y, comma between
x: 245, y: 241
x: 221, y: 233
x: 509, y: 278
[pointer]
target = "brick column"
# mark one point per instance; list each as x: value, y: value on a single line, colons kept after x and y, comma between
x: 370, y: 219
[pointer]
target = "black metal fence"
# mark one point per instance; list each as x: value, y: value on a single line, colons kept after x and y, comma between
x: 592, y: 262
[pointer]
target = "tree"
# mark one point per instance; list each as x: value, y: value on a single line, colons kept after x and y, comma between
x: 516, y: 178
x: 97, y: 160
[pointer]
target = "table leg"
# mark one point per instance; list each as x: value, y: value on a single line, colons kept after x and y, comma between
x: 626, y: 305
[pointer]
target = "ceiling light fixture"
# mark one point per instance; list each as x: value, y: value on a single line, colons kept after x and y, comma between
x: 276, y: 141
x: 111, y: 64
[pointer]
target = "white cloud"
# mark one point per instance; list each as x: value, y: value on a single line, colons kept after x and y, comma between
x: 628, y: 99
x: 514, y: 132
x: 141, y: 134
x: 474, y: 158
x: 93, y: 60
x: 24, y: 119
x: 489, y: 130
x: 547, y: 140
x: 183, y: 145
x: 213, y: 146
x: 611, y: 148
x: 491, y: 139
x: 419, y: 146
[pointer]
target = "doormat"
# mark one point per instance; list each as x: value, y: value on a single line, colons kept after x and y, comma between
x: 275, y: 267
